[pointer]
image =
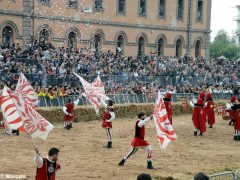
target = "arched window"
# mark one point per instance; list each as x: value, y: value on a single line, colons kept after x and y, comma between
x: 72, y: 40
x: 179, y: 48
x: 141, y: 46
x: 44, y: 36
x: 7, y: 35
x: 198, y: 49
x: 120, y: 44
x: 97, y: 42
x: 160, y: 47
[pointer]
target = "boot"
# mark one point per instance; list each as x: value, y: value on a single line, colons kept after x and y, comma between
x: 235, y: 137
x: 238, y: 137
x: 70, y: 125
x: 109, y: 145
x: 201, y: 134
x: 210, y: 126
x: 195, y: 133
x: 16, y: 132
x: 149, y: 165
x: 121, y: 162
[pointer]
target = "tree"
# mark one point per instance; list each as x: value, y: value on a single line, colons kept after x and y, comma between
x: 223, y: 45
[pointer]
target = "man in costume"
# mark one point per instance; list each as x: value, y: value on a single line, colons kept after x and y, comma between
x: 199, y: 117
x: 168, y: 105
x: 230, y: 110
x: 47, y: 167
x: 69, y: 113
x: 108, y: 117
x: 139, y: 141
x: 210, y: 110
x: 236, y: 113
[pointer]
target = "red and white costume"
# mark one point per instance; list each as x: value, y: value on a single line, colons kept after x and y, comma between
x: 46, y: 169
x: 210, y: 110
x: 139, y: 140
x: 108, y: 117
x: 168, y: 105
x: 68, y: 110
x: 230, y: 111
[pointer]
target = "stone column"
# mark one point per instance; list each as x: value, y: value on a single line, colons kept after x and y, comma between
x: 208, y: 28
x: 189, y: 27
x: 27, y: 21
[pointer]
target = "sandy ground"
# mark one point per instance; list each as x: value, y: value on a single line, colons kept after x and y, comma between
x: 83, y: 157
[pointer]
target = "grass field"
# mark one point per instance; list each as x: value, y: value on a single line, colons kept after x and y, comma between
x: 83, y: 157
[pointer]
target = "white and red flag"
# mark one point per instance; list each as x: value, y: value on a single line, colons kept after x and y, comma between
x: 94, y: 92
x: 19, y: 114
x: 165, y: 132
x: 26, y: 91
x: 11, y: 115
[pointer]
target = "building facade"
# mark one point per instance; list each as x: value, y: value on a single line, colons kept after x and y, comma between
x: 143, y: 27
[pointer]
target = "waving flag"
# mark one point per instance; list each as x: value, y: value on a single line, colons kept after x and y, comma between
x: 26, y: 91
x: 165, y: 132
x: 23, y: 116
x: 94, y: 92
x: 12, y: 118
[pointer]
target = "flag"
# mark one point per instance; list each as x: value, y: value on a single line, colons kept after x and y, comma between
x: 94, y: 92
x: 20, y: 115
x: 165, y: 132
x: 26, y: 91
x: 11, y: 116
x: 99, y: 84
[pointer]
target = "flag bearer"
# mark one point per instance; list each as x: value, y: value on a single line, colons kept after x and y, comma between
x: 139, y: 142
x: 108, y: 117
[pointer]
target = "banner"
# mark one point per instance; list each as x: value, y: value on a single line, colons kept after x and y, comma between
x: 165, y: 132
x: 20, y: 115
x: 94, y: 92
x: 26, y: 91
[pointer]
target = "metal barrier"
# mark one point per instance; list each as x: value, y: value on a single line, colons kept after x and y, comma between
x: 225, y: 176
x: 122, y: 99
x: 125, y: 79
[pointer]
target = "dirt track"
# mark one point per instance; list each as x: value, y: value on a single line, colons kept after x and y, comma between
x: 82, y: 156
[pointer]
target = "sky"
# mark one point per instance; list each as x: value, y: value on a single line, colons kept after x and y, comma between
x: 223, y: 12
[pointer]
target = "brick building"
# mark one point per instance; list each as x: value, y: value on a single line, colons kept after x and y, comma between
x: 164, y: 27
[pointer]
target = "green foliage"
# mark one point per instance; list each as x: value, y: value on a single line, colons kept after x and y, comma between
x: 223, y: 45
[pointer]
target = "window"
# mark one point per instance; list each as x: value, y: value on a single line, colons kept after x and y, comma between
x: 198, y: 49
x: 121, y: 6
x: 180, y: 9
x: 162, y: 8
x: 72, y: 3
x: 160, y: 47
x: 141, y: 44
x: 98, y: 5
x: 200, y: 10
x: 142, y: 7
x: 179, y: 48
x: 7, y: 35
x: 43, y: 37
x: 44, y: 1
x: 120, y: 44
x: 72, y: 40
x: 97, y: 42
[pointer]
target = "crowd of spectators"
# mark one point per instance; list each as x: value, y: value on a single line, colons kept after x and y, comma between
x: 50, y: 70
